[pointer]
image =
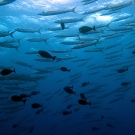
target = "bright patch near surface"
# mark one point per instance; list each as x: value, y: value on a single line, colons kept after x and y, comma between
x: 59, y: 1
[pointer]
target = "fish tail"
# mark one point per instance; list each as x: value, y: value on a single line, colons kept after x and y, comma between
x: 24, y: 101
x: 53, y: 57
x: 19, y: 40
x: 39, y: 31
x: 69, y: 70
x: 90, y: 103
x: 11, y: 34
x: 74, y: 93
x: 74, y: 9
x: 16, y: 48
x: 94, y: 28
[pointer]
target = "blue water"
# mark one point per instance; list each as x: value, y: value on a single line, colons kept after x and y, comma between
x: 110, y: 101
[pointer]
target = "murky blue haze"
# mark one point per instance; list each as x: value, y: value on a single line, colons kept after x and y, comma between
x: 102, y: 68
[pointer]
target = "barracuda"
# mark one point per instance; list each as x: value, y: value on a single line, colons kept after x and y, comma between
x: 60, y: 51
x: 56, y: 12
x: 7, y: 45
x: 28, y: 30
x: 94, y: 10
x: 120, y: 5
x: 69, y: 20
x: 84, y: 45
x: 56, y: 28
x: 21, y: 63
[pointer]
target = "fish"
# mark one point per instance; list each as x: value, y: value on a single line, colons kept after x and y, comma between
x: 16, y: 98
x: 133, y: 52
x: 8, y: 45
x: 56, y: 12
x: 28, y: 30
x: 77, y: 109
x: 45, y: 54
x: 122, y: 70
x: 39, y: 111
x: 133, y: 100
x: 94, y: 10
x: 5, y: 72
x: 5, y: 2
x: 21, y: 63
x: 70, y: 91
x: 85, y: 83
x: 95, y: 128
x: 83, y: 96
x: 85, y: 29
x: 64, y: 69
x: 35, y: 92
x: 110, y: 125
x: 125, y: 83
x: 31, y: 130
x: 66, y: 112
x: 69, y: 106
x: 24, y: 96
x: 83, y: 102
x: 56, y: 28
x: 36, y: 105
x: 37, y: 40
x: 6, y: 33
x: 69, y: 20
x: 15, y: 125
x: 68, y: 87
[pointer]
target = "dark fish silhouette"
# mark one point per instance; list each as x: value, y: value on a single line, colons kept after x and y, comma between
x: 82, y: 96
x: 7, y: 71
x: 64, y: 69
x: 77, y: 109
x: 69, y: 106
x: 83, y: 102
x: 16, y: 98
x: 110, y: 125
x: 125, y: 83
x: 35, y: 92
x: 95, y: 128
x: 25, y: 96
x: 85, y: 83
x: 66, y: 112
x: 15, y: 125
x: 133, y: 52
x: 70, y: 91
x: 68, y: 87
x: 133, y: 100
x: 31, y: 129
x: 36, y: 105
x: 85, y: 29
x: 45, y: 54
x: 122, y: 70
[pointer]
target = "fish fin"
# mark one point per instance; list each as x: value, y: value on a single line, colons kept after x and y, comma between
x: 16, y: 48
x: 69, y: 70
x: 39, y: 31
x: 19, y: 40
x: 53, y: 57
x: 74, y: 9
x: 11, y: 34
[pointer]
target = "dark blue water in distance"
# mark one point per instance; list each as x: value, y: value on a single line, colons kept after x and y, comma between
x: 100, y: 97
